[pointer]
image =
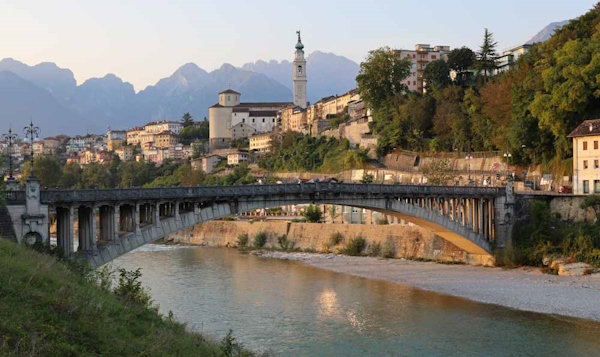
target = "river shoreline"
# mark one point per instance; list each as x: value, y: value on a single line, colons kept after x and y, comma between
x: 526, y: 289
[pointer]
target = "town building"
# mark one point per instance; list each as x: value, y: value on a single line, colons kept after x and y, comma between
x: 509, y: 57
x: 206, y: 163
x: 237, y: 158
x: 262, y: 117
x: 261, y: 143
x: 242, y: 131
x: 165, y: 139
x: 421, y: 56
x: 230, y: 111
x: 156, y: 127
x: 125, y: 152
x: 133, y: 135
x: 115, y: 138
x: 586, y: 157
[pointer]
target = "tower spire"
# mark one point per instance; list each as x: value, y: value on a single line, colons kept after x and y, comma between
x: 299, y: 74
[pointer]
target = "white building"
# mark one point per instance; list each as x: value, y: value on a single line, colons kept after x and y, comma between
x: 236, y: 158
x: 421, y: 56
x: 509, y: 57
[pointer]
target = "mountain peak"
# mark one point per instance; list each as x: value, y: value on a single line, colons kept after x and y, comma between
x: 547, y: 32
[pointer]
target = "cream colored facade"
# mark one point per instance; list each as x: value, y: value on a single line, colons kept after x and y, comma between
x: 166, y: 139
x: 229, y: 112
x: 242, y: 131
x: 125, y: 152
x: 209, y: 163
x: 237, y: 158
x: 421, y: 56
x: 261, y: 143
x: 586, y: 158
x: 133, y: 135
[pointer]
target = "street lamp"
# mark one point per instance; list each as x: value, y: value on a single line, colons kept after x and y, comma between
x: 468, y: 158
x: 524, y: 146
x: 10, y: 137
x: 31, y: 132
x: 507, y: 155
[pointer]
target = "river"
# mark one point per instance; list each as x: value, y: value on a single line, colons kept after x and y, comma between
x: 295, y: 310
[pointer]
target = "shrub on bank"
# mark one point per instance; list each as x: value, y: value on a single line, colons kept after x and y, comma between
x: 355, y: 246
x: 285, y: 244
x: 389, y: 248
x: 375, y: 249
x: 242, y: 240
x: 260, y: 240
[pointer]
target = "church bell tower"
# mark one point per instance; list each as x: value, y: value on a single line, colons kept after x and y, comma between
x: 299, y: 75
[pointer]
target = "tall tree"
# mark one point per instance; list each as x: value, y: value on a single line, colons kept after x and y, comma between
x: 436, y: 75
x: 460, y: 60
x: 486, y: 57
x: 381, y: 76
x: 187, y: 120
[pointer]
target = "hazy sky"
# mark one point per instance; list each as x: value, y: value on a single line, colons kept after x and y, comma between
x: 143, y: 41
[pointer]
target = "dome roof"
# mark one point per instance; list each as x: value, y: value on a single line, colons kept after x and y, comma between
x: 299, y: 46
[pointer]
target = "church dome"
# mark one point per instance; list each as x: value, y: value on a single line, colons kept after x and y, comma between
x: 299, y: 46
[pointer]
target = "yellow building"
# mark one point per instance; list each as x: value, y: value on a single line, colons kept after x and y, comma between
x: 125, y: 152
x: 261, y: 143
x: 166, y: 139
x: 586, y: 158
x: 115, y: 144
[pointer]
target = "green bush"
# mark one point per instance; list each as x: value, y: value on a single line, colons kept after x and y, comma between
x: 312, y: 214
x: 355, y: 246
x: 228, y: 219
x: 375, y: 249
x: 285, y: 244
x: 130, y: 288
x: 260, y: 240
x: 242, y: 240
x: 335, y: 239
x: 389, y: 248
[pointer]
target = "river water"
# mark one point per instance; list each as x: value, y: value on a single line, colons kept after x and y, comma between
x: 295, y: 310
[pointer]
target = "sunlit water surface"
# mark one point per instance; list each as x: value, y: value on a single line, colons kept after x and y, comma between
x: 293, y: 309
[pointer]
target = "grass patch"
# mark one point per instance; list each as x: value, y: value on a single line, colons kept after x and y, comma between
x: 285, y: 244
x: 375, y: 249
x: 389, y: 248
x: 242, y: 241
x: 48, y: 309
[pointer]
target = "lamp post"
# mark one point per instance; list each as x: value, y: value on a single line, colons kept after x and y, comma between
x: 524, y: 146
x: 31, y: 132
x: 10, y: 137
x: 507, y: 155
x: 468, y: 158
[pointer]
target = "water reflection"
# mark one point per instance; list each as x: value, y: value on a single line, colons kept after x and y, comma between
x: 294, y: 309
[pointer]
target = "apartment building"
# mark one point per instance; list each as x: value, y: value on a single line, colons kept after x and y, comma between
x: 421, y: 56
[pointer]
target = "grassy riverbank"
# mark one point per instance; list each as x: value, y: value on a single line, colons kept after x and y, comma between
x: 47, y: 308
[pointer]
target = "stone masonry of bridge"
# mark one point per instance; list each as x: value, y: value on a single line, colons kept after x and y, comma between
x: 113, y: 222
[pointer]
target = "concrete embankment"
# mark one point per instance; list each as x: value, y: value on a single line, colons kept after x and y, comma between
x: 411, y: 242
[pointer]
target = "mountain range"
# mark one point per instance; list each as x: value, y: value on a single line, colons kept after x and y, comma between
x: 51, y: 97
x: 547, y: 32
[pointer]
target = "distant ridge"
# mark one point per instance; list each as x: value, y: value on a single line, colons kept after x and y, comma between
x: 547, y: 32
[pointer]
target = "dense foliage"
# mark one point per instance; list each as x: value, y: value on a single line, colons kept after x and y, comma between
x: 536, y: 104
x: 297, y: 152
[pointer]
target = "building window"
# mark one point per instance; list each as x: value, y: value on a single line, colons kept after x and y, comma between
x: 596, y: 164
x: 585, y: 145
x: 253, y: 120
x: 228, y: 98
x: 433, y: 57
x: 414, y: 83
x: 243, y: 120
x: 263, y: 120
x: 586, y: 186
x: 596, y: 186
x: 595, y: 144
x: 299, y: 69
x: 585, y: 164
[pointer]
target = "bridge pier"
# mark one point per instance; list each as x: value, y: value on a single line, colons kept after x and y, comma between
x: 86, y: 216
x: 64, y: 230
x: 108, y: 228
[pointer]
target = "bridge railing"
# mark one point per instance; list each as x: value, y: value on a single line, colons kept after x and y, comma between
x: 212, y: 192
x: 12, y: 198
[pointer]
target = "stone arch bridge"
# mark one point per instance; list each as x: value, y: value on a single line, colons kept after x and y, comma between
x: 112, y: 222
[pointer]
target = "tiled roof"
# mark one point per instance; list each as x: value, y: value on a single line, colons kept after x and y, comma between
x: 587, y: 128
x: 263, y: 113
x: 229, y: 91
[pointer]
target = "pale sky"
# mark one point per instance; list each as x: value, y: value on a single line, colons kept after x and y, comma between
x: 142, y: 41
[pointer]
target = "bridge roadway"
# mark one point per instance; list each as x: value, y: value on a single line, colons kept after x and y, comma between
x: 112, y: 222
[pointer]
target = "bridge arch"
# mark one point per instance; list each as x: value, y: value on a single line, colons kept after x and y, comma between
x: 466, y: 216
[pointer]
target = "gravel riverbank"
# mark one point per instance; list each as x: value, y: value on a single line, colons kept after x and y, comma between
x: 524, y: 289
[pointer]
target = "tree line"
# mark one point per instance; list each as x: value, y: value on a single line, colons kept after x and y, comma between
x: 527, y: 111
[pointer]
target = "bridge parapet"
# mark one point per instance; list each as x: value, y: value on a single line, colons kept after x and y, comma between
x: 208, y: 192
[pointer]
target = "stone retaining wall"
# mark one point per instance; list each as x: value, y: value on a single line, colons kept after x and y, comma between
x: 411, y: 242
